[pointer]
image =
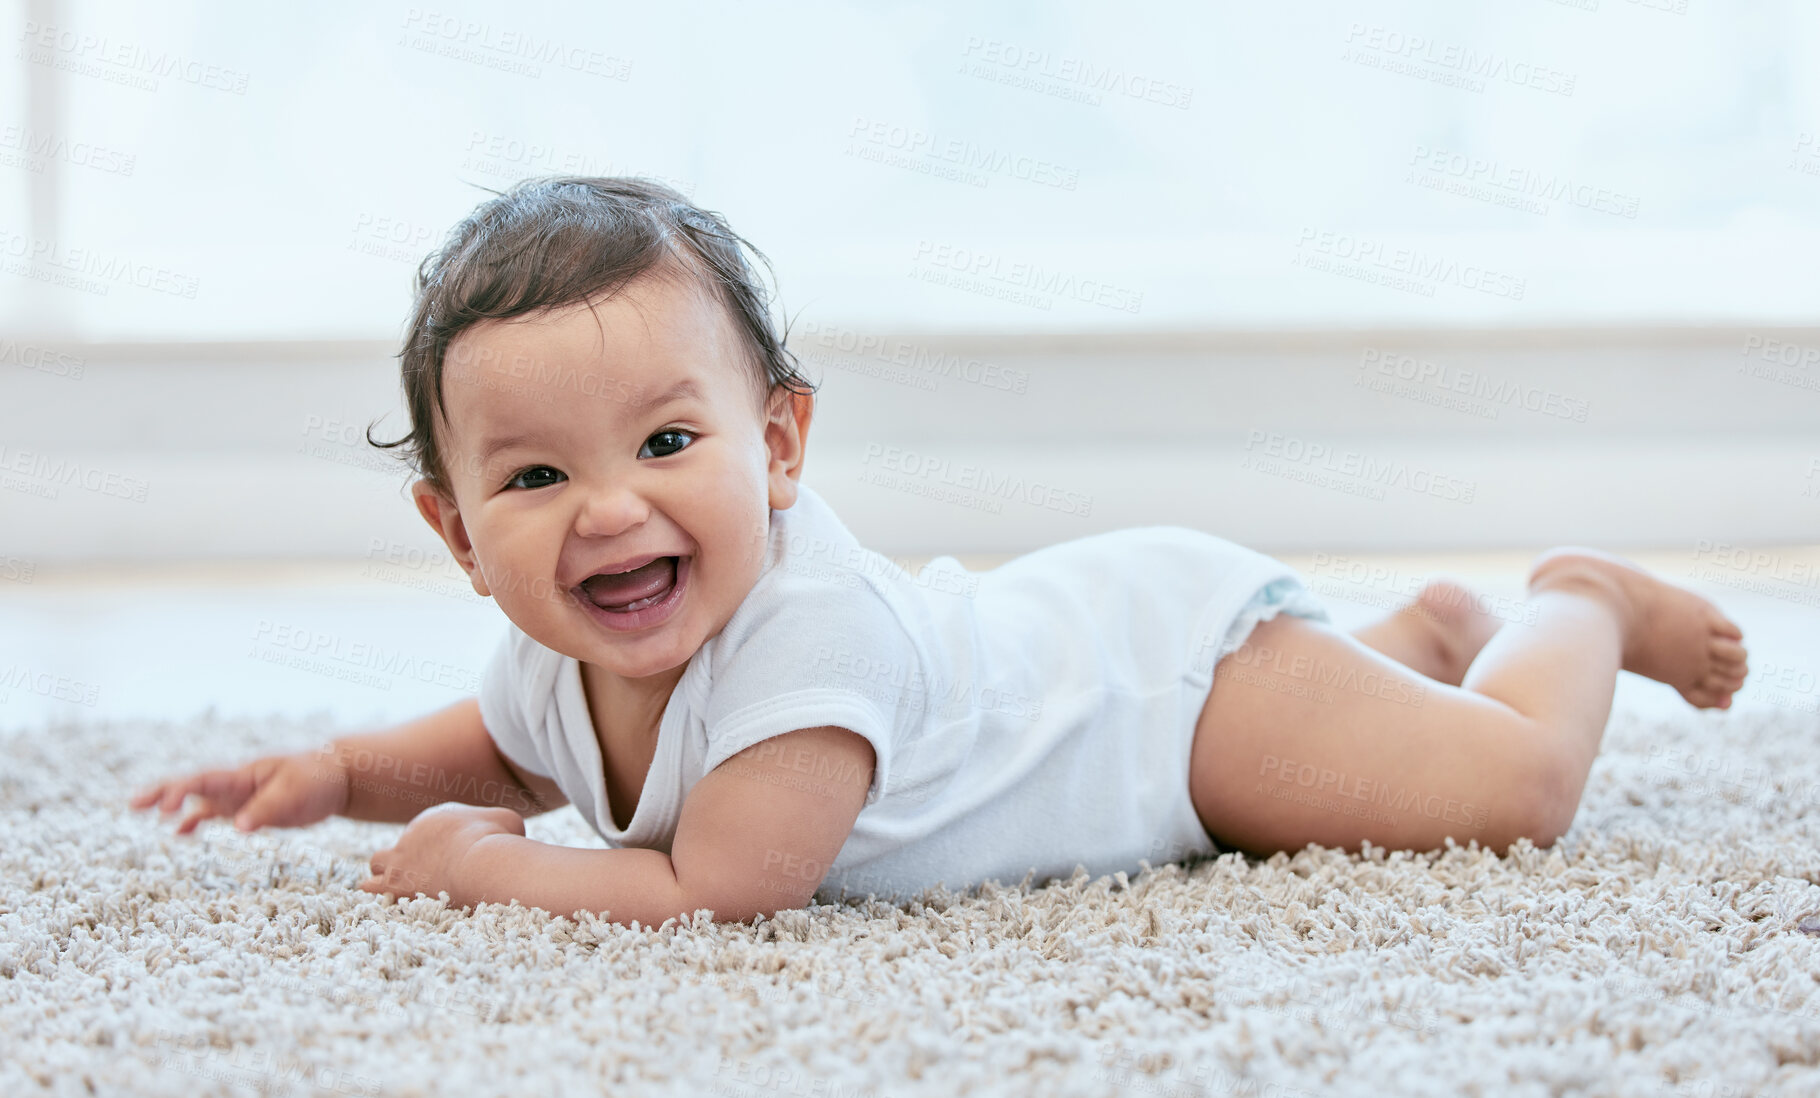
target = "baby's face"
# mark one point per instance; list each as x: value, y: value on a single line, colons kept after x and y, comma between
x: 584, y: 440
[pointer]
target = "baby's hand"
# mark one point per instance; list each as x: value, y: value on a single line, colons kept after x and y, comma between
x: 275, y: 791
x: 432, y: 846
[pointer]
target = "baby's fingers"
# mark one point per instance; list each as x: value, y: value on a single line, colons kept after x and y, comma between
x: 167, y: 795
x: 145, y: 797
x: 227, y: 787
x: 205, y: 811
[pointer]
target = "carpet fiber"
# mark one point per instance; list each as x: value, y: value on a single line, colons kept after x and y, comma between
x: 1666, y: 946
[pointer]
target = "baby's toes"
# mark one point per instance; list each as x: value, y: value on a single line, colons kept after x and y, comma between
x: 1709, y: 693
x: 1724, y: 686
x: 1725, y: 650
x: 1726, y: 628
x: 1700, y: 699
x: 1729, y: 675
x: 1711, y: 698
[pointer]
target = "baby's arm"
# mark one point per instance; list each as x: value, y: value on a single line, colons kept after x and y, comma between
x: 756, y: 835
x: 385, y: 776
x: 445, y: 756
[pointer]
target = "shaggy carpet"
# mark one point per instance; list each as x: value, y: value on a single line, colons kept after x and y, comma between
x: 1665, y: 946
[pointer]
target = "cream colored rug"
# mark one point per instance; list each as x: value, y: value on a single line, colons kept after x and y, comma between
x: 1667, y: 946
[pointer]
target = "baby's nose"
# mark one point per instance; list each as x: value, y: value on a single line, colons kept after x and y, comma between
x: 608, y: 510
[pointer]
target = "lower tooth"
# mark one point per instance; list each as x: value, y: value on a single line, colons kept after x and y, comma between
x: 640, y: 604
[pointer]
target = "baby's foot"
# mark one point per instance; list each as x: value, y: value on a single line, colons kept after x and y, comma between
x: 1670, y: 634
x: 1439, y: 632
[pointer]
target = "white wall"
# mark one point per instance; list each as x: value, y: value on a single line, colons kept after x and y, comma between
x: 1606, y: 436
x: 1216, y: 165
x: 1183, y: 222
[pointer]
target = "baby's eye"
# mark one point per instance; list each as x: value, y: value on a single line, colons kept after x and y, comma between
x: 538, y: 477
x: 666, y: 435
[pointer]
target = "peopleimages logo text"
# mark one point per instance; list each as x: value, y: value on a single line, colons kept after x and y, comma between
x: 976, y: 478
x: 1029, y: 276
x: 1417, y: 264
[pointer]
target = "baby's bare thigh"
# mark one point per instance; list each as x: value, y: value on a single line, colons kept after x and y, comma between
x: 1310, y: 736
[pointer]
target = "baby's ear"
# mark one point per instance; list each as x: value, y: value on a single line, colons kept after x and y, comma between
x: 440, y: 512
x: 787, y: 439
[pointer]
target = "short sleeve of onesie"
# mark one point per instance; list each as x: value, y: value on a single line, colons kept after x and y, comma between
x: 810, y: 655
x: 503, y: 692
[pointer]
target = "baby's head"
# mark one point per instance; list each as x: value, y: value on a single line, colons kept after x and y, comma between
x: 594, y: 380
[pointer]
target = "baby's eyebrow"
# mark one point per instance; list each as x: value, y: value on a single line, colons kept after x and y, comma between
x: 494, y: 446
x: 686, y: 389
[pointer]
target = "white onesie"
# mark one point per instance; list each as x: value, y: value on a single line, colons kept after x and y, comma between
x: 1032, y: 717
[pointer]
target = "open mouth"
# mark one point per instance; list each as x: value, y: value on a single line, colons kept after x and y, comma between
x: 637, y: 599
x: 630, y: 592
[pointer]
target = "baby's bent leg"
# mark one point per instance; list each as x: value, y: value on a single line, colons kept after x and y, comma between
x: 1439, y: 632
x: 1309, y: 735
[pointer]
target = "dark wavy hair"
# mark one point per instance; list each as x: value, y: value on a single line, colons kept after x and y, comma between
x: 562, y: 240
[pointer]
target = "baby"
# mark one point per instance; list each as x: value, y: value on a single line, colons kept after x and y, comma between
x: 753, y: 710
